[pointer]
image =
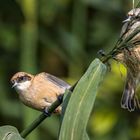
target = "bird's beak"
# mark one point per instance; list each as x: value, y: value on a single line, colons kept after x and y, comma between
x: 127, y: 20
x: 14, y: 85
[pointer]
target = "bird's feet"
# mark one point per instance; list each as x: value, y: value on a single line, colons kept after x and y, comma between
x: 60, y: 98
x: 47, y: 113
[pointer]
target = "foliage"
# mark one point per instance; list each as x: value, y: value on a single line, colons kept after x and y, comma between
x: 80, y: 104
x: 62, y: 37
x: 9, y: 133
x: 79, y: 107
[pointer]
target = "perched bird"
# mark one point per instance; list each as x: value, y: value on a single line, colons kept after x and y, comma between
x: 130, y: 57
x: 39, y: 91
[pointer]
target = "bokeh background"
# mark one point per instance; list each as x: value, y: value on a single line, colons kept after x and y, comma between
x: 62, y: 37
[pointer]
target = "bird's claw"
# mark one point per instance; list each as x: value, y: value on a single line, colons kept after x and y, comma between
x: 60, y: 98
x: 47, y: 113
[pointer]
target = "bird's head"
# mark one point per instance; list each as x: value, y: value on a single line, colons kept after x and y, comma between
x: 133, y: 14
x: 21, y: 81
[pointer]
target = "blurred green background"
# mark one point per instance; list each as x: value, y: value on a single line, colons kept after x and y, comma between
x: 62, y: 37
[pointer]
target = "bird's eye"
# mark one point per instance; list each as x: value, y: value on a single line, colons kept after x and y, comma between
x: 24, y: 78
x: 21, y: 79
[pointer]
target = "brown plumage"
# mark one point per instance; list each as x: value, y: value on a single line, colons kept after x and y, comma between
x: 38, y: 91
x: 130, y: 57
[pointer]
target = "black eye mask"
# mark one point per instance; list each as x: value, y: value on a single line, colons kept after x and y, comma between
x: 23, y: 79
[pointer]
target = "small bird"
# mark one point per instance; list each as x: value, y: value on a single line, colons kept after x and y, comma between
x: 39, y: 91
x: 130, y: 57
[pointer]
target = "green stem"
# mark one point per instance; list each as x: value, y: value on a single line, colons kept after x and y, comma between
x: 126, y: 41
x: 120, y: 46
x: 42, y: 117
x: 35, y: 123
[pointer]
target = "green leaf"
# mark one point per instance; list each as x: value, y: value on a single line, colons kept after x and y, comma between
x: 9, y: 133
x: 66, y: 98
x: 78, y: 110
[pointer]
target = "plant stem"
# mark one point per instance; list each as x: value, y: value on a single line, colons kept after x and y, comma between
x: 42, y: 116
x: 120, y: 47
x: 37, y: 121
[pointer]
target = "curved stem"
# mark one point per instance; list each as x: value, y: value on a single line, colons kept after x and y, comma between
x: 120, y: 47
x: 42, y: 116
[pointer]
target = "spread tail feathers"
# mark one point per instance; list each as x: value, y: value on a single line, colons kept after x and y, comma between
x: 129, y: 100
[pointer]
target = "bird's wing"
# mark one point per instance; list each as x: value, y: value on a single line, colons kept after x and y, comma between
x: 57, y: 81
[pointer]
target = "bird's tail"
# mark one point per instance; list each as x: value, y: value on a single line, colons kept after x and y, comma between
x: 129, y: 99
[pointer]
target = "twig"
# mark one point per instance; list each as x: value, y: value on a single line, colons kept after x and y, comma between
x: 122, y: 45
x: 42, y: 116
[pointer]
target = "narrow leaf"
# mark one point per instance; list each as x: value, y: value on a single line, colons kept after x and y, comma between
x: 81, y: 103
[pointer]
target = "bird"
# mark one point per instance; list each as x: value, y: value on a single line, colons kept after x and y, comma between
x: 130, y: 57
x: 39, y: 91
